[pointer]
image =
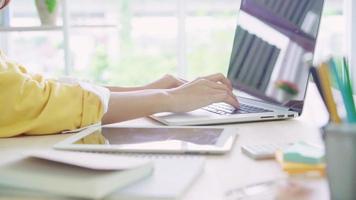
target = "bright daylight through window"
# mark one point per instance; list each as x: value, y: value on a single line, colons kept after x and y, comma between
x: 130, y: 42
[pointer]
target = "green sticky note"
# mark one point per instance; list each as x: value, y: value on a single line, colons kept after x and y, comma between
x: 304, y: 153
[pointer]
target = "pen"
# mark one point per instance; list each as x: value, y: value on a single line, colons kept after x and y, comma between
x: 347, y: 93
x: 316, y: 78
x: 326, y: 87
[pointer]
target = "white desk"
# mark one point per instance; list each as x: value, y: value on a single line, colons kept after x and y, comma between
x: 228, y: 171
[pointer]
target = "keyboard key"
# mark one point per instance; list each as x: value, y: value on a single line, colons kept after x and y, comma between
x: 226, y: 109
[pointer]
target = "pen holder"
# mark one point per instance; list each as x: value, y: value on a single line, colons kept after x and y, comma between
x: 340, y: 152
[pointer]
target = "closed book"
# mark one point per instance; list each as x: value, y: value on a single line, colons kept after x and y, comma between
x: 173, y: 176
x: 263, y: 63
x: 247, y: 65
x: 270, y: 67
x: 238, y: 52
x: 298, y: 12
x: 256, y: 64
x: 243, y: 53
x: 239, y: 37
x: 45, y: 176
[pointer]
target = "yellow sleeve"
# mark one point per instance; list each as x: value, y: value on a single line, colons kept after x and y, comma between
x: 33, y: 105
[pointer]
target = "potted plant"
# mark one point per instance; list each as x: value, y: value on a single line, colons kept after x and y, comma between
x: 47, y: 11
x: 287, y: 90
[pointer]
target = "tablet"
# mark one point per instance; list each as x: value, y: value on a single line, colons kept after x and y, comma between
x: 216, y: 140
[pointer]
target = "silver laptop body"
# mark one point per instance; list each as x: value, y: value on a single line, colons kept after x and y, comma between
x: 274, y: 41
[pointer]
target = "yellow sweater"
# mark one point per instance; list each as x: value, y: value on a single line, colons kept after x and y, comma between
x: 32, y: 105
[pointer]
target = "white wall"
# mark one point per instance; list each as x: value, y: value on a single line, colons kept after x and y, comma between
x: 350, y: 39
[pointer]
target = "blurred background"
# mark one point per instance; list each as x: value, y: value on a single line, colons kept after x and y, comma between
x: 132, y: 42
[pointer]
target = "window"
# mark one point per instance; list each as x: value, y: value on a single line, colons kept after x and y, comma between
x: 331, y: 33
x: 131, y: 42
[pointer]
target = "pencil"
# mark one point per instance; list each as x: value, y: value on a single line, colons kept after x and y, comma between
x: 347, y: 94
x: 316, y: 78
x: 326, y: 87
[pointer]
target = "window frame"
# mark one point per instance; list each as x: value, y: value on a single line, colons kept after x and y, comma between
x: 181, y: 52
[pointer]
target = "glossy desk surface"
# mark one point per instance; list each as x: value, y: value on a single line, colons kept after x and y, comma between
x: 226, y: 172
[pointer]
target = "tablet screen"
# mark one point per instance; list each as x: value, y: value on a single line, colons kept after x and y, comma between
x: 129, y: 136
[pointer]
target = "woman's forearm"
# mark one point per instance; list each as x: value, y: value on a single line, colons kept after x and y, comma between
x: 166, y: 82
x: 184, y: 98
x: 125, y: 89
x: 130, y: 105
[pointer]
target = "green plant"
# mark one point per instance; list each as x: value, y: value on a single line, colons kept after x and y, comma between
x: 288, y: 87
x: 51, y: 5
x: 100, y: 65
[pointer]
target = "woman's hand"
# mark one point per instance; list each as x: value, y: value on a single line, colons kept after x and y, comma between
x: 166, y: 82
x: 201, y: 92
x: 220, y: 78
x: 126, y: 105
x: 169, y: 81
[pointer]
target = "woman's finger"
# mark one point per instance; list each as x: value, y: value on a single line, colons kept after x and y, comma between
x: 220, y: 78
x: 221, y: 91
x: 220, y: 87
x: 182, y: 81
x: 232, y: 101
x: 223, y: 96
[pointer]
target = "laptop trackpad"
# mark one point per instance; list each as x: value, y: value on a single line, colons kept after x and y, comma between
x: 196, y: 114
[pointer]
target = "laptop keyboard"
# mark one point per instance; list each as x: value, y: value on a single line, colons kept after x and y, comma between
x: 226, y: 109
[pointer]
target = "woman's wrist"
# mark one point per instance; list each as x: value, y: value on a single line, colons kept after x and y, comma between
x: 165, y: 101
x: 171, y: 100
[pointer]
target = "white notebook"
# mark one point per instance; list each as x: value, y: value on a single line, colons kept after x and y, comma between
x: 170, y: 180
x: 84, y: 179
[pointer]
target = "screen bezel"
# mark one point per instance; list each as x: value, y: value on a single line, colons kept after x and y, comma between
x: 296, y: 106
x: 229, y: 133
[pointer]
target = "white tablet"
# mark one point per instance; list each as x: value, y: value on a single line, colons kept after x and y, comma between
x: 215, y: 140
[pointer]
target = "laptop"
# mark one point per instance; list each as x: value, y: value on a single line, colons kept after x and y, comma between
x: 274, y: 42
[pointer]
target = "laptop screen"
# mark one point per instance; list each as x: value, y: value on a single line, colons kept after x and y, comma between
x: 274, y: 40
